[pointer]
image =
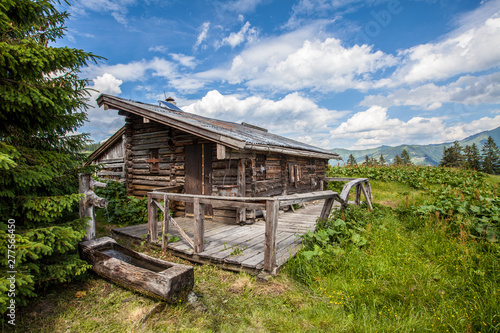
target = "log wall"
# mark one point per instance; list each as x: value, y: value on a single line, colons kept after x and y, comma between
x: 154, y: 158
x: 113, y: 161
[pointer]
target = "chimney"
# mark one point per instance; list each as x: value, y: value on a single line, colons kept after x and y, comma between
x: 170, y: 100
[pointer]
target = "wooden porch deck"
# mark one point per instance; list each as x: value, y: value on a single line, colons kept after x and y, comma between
x: 235, y: 247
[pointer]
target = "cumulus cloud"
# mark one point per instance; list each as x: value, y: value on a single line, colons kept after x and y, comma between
x: 107, y: 84
x: 468, y: 90
x: 374, y: 127
x: 203, y: 35
x: 469, y: 51
x: 294, y: 115
x: 324, y: 65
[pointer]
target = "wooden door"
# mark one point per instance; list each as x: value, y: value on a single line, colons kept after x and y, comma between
x: 198, y: 168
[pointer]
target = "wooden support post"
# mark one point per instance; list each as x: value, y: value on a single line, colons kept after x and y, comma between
x: 166, y: 217
x: 152, y: 219
x: 199, y: 226
x: 241, y: 212
x: 358, y: 194
x: 86, y: 210
x: 369, y: 190
x: 327, y: 208
x: 367, y: 197
x: 272, y: 209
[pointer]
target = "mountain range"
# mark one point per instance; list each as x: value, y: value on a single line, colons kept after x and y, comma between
x: 420, y: 154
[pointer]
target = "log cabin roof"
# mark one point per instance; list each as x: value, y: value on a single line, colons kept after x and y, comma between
x: 234, y: 135
x: 105, y: 146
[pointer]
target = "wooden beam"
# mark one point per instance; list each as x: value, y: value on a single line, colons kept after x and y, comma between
x: 272, y: 210
x: 152, y: 219
x: 199, y: 226
x: 221, y: 152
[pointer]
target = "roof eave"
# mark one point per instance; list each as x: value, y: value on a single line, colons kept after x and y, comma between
x: 291, y: 151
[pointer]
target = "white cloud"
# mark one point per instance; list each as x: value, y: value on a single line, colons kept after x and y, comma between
x: 236, y: 38
x: 203, y: 35
x: 135, y: 70
x: 373, y: 128
x: 294, y: 116
x: 469, y: 51
x: 107, y: 84
x: 184, y: 60
x: 117, y: 8
x: 318, y: 65
x: 468, y: 90
x: 305, y: 9
x: 241, y: 6
x: 158, y: 48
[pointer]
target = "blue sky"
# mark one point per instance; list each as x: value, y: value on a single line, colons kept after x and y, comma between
x: 331, y: 73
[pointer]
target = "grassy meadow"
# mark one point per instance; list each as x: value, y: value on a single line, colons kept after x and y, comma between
x: 426, y: 259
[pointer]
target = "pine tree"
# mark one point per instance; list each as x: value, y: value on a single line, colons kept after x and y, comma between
x: 397, y: 160
x: 490, y: 157
x: 381, y: 160
x: 472, y: 158
x: 42, y: 102
x: 351, y: 160
x: 367, y: 161
x: 405, y: 158
x: 452, y: 156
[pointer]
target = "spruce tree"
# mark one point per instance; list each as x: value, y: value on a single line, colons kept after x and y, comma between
x: 405, y: 158
x: 452, y: 156
x: 472, y: 158
x: 351, y: 160
x: 490, y: 157
x: 397, y: 160
x: 381, y: 160
x: 42, y: 104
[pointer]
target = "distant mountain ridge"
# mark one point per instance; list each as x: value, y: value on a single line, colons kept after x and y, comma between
x: 420, y: 154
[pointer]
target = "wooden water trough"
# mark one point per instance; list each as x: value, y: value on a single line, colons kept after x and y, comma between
x: 156, y: 278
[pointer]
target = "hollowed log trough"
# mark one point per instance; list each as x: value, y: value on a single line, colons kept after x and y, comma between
x: 156, y: 278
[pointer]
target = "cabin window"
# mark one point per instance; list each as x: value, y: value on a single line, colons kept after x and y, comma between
x: 154, y: 160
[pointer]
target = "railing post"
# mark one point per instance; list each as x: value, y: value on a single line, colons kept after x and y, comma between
x: 166, y: 218
x: 152, y: 219
x: 199, y: 226
x: 272, y: 210
x: 358, y: 194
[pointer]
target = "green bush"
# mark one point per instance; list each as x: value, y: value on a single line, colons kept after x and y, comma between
x: 123, y: 209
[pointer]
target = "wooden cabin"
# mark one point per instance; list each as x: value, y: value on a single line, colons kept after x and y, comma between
x: 165, y: 147
x: 111, y: 155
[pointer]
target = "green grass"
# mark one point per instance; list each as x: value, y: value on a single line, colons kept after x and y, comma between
x: 416, y: 273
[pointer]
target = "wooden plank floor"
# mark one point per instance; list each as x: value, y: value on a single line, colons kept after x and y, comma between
x: 236, y: 247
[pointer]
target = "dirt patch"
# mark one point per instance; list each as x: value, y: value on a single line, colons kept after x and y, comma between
x: 240, y: 285
x: 271, y: 288
x: 392, y: 204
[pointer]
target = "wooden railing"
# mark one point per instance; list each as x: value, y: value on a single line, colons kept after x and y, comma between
x: 270, y: 204
x: 362, y: 186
